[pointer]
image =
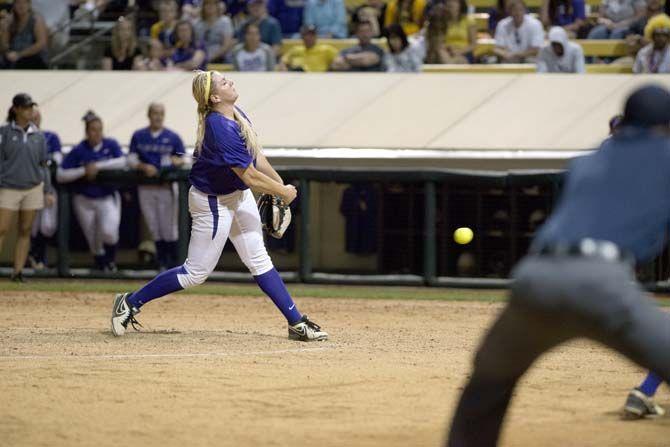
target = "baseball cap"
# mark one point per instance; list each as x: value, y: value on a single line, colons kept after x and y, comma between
x: 647, y: 106
x: 23, y: 100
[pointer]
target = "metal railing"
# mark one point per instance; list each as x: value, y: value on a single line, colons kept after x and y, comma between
x: 434, y: 184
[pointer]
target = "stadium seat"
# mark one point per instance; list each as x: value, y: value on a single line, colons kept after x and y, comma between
x: 487, y: 68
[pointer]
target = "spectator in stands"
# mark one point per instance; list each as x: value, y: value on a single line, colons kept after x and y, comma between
x: 373, y: 11
x: 434, y: 49
x: 155, y: 60
x: 191, y: 9
x: 237, y: 11
x: 461, y: 36
x: 56, y: 15
x: 188, y: 54
x: 289, y: 13
x: 153, y: 149
x: 657, y: 20
x: 519, y: 37
x: 365, y: 56
x: 97, y: 207
x: 615, y: 18
x: 570, y: 14
x: 560, y: 55
x: 268, y: 26
x: 25, y: 184
x: 311, y: 56
x: 407, y: 13
x: 123, y: 53
x: 253, y: 55
x: 23, y: 38
x: 637, y: 37
x: 401, y: 57
x: 329, y: 17
x: 163, y: 30
x: 215, y: 30
x: 497, y: 14
x: 655, y: 57
x: 46, y: 220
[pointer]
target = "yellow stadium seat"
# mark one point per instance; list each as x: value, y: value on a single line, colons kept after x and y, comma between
x: 599, y: 48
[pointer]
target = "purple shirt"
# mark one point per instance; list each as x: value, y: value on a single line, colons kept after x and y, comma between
x: 185, y: 54
x: 222, y: 149
x: 53, y: 142
x: 82, y: 154
x: 157, y: 150
x: 564, y: 17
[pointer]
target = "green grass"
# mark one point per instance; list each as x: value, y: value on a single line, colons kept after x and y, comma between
x: 297, y: 290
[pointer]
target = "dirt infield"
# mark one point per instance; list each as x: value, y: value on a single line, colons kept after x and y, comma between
x: 220, y: 371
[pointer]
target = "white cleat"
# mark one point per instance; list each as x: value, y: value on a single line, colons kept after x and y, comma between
x: 306, y: 330
x: 639, y: 405
x: 122, y: 314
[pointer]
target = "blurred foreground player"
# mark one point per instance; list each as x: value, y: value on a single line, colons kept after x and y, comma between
x: 578, y: 280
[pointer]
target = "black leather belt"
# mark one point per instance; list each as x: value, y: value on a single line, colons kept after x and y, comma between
x: 587, y: 248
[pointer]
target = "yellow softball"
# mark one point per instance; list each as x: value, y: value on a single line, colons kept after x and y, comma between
x: 463, y: 235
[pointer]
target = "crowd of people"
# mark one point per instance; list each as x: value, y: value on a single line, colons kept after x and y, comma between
x: 30, y: 153
x: 188, y: 34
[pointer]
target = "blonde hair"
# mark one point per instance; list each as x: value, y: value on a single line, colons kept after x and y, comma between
x: 202, y: 87
x: 117, y: 43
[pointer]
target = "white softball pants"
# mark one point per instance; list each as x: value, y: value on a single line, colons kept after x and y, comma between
x: 160, y: 205
x: 46, y: 220
x: 99, y: 220
x: 215, y: 220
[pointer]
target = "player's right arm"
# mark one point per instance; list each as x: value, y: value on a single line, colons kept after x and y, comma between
x: 260, y: 182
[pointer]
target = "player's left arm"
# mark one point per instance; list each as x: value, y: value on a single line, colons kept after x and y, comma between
x: 263, y: 165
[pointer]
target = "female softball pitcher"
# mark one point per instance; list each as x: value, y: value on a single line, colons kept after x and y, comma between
x: 229, y: 161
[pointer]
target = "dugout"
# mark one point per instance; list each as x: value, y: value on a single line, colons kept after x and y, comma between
x: 362, y: 226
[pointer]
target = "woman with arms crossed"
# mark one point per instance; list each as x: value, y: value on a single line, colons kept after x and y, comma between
x: 229, y: 161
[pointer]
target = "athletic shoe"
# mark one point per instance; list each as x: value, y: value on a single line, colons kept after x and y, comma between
x: 639, y: 405
x: 122, y: 314
x: 306, y: 330
x: 36, y: 263
x: 110, y: 267
x: 17, y: 277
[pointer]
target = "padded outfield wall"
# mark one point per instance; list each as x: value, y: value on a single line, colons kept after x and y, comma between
x: 431, y: 112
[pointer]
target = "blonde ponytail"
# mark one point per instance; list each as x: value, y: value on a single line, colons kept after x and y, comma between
x: 201, y: 88
x: 248, y: 134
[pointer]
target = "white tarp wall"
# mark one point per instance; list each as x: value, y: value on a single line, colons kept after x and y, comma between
x: 409, y: 111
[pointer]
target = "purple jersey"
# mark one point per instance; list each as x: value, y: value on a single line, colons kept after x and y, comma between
x: 222, y: 149
x: 83, y: 154
x: 156, y: 150
x: 186, y: 54
x: 53, y: 142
